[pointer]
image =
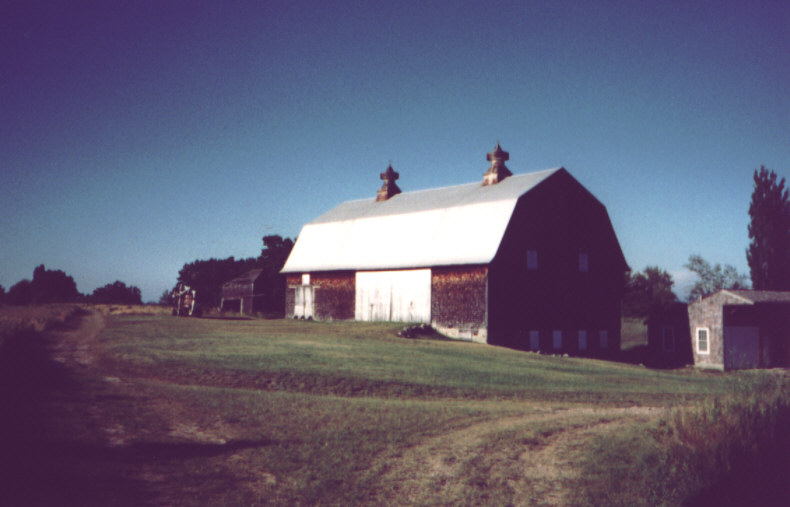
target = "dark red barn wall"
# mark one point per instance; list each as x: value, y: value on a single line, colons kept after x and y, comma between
x: 559, y: 219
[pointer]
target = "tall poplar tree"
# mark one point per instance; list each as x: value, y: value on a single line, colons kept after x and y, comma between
x: 769, y: 232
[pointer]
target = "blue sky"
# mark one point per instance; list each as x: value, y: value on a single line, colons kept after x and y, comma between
x: 137, y: 136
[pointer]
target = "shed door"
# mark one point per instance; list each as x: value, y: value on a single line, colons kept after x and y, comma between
x: 402, y: 296
x: 741, y: 347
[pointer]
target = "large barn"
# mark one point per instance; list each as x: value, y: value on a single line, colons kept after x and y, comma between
x: 529, y: 261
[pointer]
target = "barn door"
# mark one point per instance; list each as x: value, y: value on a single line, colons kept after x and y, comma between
x: 741, y: 347
x: 303, y: 302
x: 401, y: 296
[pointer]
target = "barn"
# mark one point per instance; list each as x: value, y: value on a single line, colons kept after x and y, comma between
x: 529, y: 261
x: 244, y: 294
x: 737, y: 329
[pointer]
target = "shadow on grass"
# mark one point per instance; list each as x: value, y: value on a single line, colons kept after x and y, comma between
x: 50, y: 452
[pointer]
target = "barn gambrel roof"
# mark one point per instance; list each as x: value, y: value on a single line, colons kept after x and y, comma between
x: 456, y: 225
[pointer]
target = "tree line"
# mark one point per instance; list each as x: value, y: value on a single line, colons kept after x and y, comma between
x: 207, y: 276
x: 768, y: 256
x: 55, y: 286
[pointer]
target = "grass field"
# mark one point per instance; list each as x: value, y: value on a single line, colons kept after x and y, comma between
x: 208, y: 411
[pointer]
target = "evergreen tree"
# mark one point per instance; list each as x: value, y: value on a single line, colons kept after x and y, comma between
x: 769, y: 232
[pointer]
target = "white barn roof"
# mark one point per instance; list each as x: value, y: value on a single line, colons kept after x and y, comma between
x: 456, y: 225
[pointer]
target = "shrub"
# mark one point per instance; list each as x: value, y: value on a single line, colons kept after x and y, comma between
x: 727, y: 451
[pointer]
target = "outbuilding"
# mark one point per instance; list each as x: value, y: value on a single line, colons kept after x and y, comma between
x: 737, y: 329
x: 529, y: 261
x: 244, y: 294
x: 668, y: 337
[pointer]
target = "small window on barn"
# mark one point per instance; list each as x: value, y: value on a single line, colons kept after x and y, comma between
x: 703, y: 345
x: 532, y: 259
x: 668, y: 339
x: 557, y: 340
x: 603, y: 339
x: 584, y: 262
x: 306, y: 279
x: 534, y: 340
x: 582, y: 340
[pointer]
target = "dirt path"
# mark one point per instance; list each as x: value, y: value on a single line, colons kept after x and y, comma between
x: 534, y: 456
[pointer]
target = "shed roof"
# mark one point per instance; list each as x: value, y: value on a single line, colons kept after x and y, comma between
x: 760, y: 296
x: 462, y: 224
x: 242, y: 285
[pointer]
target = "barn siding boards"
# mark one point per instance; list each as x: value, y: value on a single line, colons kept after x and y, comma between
x: 244, y: 294
x: 396, y: 296
x: 331, y: 295
x: 673, y: 322
x: 458, y: 301
x: 558, y: 221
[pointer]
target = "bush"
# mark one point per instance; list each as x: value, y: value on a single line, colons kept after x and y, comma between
x: 730, y: 451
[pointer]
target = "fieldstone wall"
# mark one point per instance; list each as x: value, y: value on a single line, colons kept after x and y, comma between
x: 708, y: 313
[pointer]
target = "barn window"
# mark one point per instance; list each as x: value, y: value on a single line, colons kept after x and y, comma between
x: 668, y: 339
x: 603, y: 339
x: 534, y: 340
x: 582, y: 340
x: 703, y: 346
x: 557, y: 340
x: 584, y: 262
x: 306, y: 279
x: 532, y: 259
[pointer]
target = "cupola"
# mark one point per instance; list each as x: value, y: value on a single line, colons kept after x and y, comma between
x: 498, y: 171
x: 389, y: 188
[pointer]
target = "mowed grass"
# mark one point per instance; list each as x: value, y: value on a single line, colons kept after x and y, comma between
x: 249, y: 412
x: 370, y: 360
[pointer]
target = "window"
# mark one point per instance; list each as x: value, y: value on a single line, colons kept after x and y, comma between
x: 582, y: 340
x: 306, y: 279
x: 557, y: 340
x: 703, y: 346
x: 532, y: 259
x: 603, y: 339
x: 584, y: 262
x: 668, y: 339
x: 534, y: 340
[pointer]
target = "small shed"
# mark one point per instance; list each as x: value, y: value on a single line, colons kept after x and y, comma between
x: 244, y: 294
x: 738, y: 329
x: 668, y: 337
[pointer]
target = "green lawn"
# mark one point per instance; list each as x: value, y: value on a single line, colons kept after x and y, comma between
x: 370, y: 360
x: 249, y: 412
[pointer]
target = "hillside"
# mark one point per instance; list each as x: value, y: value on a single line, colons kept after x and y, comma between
x: 173, y: 411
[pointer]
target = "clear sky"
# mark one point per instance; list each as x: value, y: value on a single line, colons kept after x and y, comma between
x: 136, y: 136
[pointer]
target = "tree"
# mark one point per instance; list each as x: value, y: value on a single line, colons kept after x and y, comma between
x: 117, y: 293
x: 768, y: 254
x: 713, y: 279
x: 272, y: 259
x: 2, y: 295
x: 53, y: 286
x: 47, y: 286
x: 207, y: 276
x: 648, y: 292
x: 166, y: 299
x: 20, y: 293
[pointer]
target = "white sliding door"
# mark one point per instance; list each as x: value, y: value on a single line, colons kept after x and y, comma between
x: 401, y: 296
